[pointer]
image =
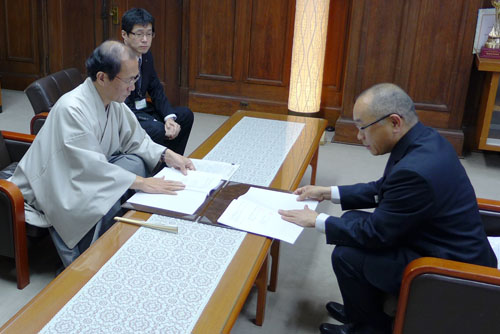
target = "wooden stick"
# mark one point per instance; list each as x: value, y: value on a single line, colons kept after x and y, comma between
x: 171, y: 229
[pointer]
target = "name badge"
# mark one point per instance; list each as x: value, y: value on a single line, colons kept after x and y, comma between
x: 140, y: 104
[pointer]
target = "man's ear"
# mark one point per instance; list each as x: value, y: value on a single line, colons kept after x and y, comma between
x: 124, y: 34
x: 101, y: 78
x: 397, y: 122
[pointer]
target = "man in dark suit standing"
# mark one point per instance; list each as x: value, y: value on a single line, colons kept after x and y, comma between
x: 424, y: 206
x: 165, y: 124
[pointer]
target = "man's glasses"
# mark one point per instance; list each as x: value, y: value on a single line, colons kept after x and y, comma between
x: 361, y: 128
x: 140, y: 35
x: 129, y: 81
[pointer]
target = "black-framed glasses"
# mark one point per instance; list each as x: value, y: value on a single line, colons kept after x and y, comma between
x: 130, y: 81
x: 140, y: 35
x: 361, y: 128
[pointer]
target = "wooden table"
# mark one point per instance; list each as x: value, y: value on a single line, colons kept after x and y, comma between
x: 249, y: 265
x: 490, y: 104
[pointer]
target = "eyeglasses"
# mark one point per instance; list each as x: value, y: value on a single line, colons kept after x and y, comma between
x: 129, y: 81
x: 140, y: 35
x: 361, y: 128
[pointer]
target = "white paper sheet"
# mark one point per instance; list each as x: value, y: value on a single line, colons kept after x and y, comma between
x: 198, y: 185
x: 224, y: 169
x: 257, y: 212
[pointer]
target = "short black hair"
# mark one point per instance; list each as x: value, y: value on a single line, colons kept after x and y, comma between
x: 138, y: 16
x: 107, y: 58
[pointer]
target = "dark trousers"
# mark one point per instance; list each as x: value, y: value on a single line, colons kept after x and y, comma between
x: 366, y: 277
x: 155, y: 127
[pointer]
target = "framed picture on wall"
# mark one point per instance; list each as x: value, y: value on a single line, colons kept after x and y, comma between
x: 485, y: 22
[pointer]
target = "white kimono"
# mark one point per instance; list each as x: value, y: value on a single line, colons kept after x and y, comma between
x: 65, y: 177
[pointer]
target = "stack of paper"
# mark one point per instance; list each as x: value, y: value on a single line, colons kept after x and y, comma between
x: 198, y: 184
x: 257, y: 212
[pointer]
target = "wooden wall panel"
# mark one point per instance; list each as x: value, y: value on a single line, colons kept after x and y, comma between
x: 217, y: 38
x: 239, y: 55
x: 20, y: 44
x: 268, y: 42
x: 423, y: 46
x: 335, y: 59
x: 71, y: 33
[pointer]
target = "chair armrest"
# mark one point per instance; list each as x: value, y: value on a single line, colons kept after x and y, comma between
x: 17, y: 144
x: 16, y: 199
x: 37, y: 122
x: 426, y: 265
x: 488, y: 205
x: 16, y: 136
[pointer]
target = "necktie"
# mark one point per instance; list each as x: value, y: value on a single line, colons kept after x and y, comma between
x: 139, y: 81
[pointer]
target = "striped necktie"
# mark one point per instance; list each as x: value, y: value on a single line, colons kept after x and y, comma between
x: 139, y: 81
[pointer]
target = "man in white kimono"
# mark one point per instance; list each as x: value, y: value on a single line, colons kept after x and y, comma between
x: 89, y: 153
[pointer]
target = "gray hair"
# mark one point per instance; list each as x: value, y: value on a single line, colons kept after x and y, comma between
x: 387, y: 98
x: 107, y: 58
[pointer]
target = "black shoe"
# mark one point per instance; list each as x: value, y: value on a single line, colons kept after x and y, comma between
x: 350, y: 329
x: 337, y: 311
x: 335, y: 329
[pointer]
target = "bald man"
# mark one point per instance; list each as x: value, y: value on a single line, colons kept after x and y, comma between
x: 424, y: 206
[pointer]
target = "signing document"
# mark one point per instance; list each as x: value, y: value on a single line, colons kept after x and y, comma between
x: 257, y: 212
x: 198, y: 186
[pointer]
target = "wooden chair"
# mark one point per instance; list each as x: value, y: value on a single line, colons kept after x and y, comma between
x: 13, y: 229
x: 443, y: 296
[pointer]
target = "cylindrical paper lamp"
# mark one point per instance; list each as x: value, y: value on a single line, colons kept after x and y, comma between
x: 308, y: 56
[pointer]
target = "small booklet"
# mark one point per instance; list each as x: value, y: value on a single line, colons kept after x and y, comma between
x: 198, y: 184
x: 257, y: 212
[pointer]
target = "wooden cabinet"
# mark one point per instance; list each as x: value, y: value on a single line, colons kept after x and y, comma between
x: 488, y: 122
x: 423, y: 46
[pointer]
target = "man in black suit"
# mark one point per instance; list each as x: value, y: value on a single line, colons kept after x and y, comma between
x: 166, y: 125
x: 424, y: 206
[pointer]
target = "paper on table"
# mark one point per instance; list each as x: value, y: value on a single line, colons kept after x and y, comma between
x: 195, y: 180
x: 276, y: 200
x: 224, y: 169
x: 257, y: 212
x: 248, y: 216
x: 198, y: 185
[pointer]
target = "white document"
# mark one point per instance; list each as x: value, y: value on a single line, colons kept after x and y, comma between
x: 198, y: 185
x: 257, y: 212
x: 195, y: 180
x: 224, y: 169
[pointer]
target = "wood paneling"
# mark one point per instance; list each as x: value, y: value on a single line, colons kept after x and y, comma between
x: 423, y: 46
x: 335, y: 59
x: 71, y: 33
x: 20, y: 43
x: 240, y: 54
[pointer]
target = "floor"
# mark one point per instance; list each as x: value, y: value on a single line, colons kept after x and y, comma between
x: 306, y: 281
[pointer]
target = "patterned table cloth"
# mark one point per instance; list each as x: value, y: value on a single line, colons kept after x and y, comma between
x: 159, y: 282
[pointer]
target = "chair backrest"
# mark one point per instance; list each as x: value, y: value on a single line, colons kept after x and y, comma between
x: 45, y: 92
x: 443, y: 304
x: 5, y: 159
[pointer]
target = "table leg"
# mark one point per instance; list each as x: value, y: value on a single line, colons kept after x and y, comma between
x: 275, y: 261
x: 314, y: 165
x: 261, y: 283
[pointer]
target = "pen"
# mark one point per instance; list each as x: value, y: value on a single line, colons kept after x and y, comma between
x: 171, y: 229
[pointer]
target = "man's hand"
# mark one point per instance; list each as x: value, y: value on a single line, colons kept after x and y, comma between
x: 313, y: 192
x: 305, y: 217
x: 157, y: 185
x: 172, y: 128
x: 178, y: 161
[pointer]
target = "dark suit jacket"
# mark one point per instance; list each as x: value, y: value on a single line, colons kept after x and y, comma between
x: 424, y: 206
x: 150, y: 84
